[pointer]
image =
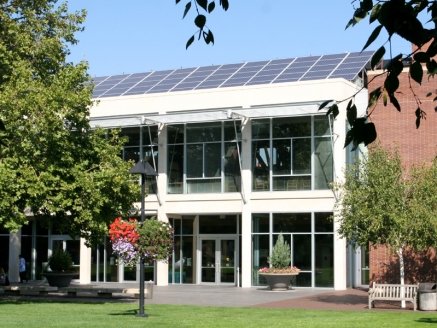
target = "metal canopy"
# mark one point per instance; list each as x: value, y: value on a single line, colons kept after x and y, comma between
x: 210, y: 116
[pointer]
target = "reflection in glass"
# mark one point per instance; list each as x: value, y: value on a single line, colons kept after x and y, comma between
x: 291, y: 222
x: 324, y: 223
x: 321, y: 125
x: 175, y: 166
x: 208, y: 260
x: 284, y: 127
x: 260, y: 252
x: 261, y: 129
x: 204, y: 132
x: 260, y: 222
x: 323, y: 164
x: 232, y: 168
x: 324, y: 260
x: 302, y: 251
x: 301, y: 156
x: 175, y: 134
x: 216, y: 224
x: 260, y: 165
x: 282, y: 156
x: 227, y: 261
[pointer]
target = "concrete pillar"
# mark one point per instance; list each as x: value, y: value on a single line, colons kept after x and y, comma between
x: 246, y: 216
x: 14, y: 251
x: 161, y: 274
x: 85, y: 263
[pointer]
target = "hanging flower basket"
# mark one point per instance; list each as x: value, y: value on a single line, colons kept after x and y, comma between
x: 151, y: 240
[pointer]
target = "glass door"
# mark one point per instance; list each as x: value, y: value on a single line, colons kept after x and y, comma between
x: 362, y: 267
x: 218, y: 258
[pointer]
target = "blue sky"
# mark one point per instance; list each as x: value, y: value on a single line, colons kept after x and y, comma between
x: 134, y: 36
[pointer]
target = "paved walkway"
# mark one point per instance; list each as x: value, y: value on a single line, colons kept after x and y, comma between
x: 201, y: 295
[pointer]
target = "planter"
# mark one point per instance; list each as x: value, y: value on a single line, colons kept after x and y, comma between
x: 59, y: 279
x: 278, y: 281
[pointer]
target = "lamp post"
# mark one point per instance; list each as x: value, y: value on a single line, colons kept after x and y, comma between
x: 145, y: 169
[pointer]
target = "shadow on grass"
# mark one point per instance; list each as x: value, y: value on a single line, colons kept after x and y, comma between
x: 427, y: 320
x: 127, y: 312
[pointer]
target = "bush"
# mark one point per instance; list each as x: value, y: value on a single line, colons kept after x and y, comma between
x: 280, y: 257
x: 60, y: 260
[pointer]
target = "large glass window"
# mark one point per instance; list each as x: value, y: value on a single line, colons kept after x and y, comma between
x: 311, y: 240
x: 287, y: 152
x: 182, y: 265
x: 207, y: 161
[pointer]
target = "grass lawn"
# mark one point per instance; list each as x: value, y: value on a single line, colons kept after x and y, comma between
x: 51, y: 314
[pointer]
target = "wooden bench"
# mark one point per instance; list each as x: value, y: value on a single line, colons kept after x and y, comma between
x: 16, y: 290
x: 107, y: 292
x: 393, y: 292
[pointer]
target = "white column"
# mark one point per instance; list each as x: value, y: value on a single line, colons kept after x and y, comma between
x: 246, y: 215
x: 161, y: 274
x: 14, y: 251
x: 85, y: 263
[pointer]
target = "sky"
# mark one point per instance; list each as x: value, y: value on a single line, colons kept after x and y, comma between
x: 133, y: 36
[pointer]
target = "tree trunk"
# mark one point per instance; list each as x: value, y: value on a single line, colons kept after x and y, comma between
x: 402, y: 271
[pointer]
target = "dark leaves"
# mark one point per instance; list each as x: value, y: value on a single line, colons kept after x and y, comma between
x: 189, y: 42
x: 395, y: 102
x: 211, y: 7
x: 202, y: 3
x: 391, y: 83
x: 373, y: 36
x: 200, y: 21
x: 187, y: 9
x: 323, y: 105
x: 420, y: 115
x: 208, y: 37
x: 333, y: 110
x: 416, y: 72
x: 224, y: 4
x: 377, y: 56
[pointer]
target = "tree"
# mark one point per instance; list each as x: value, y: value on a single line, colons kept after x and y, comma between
x: 381, y: 204
x: 396, y: 17
x: 53, y: 163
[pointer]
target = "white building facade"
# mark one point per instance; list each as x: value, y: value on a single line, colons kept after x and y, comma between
x: 238, y: 162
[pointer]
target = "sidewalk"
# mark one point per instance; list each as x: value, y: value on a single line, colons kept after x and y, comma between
x: 203, y: 295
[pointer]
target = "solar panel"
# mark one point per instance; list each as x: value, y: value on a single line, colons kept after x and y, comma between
x: 343, y: 65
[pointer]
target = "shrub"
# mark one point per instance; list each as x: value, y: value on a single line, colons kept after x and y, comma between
x: 60, y: 260
x: 280, y: 257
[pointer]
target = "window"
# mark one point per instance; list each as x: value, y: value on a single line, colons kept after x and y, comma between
x: 287, y: 156
x: 207, y: 161
x: 311, y: 240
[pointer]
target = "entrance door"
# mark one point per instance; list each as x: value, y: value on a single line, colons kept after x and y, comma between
x: 218, y: 258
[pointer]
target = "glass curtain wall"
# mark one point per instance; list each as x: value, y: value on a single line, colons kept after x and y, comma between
x: 138, y: 136
x: 284, y: 151
x: 203, y: 158
x: 311, y: 240
x: 182, y: 264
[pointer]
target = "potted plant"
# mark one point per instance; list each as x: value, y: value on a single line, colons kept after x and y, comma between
x: 59, y: 263
x: 280, y: 273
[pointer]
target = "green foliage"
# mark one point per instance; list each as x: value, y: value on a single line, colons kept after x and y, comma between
x: 280, y: 257
x: 54, y: 164
x: 60, y: 260
x: 381, y: 204
x: 156, y: 240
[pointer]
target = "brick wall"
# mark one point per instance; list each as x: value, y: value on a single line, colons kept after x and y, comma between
x: 415, y: 146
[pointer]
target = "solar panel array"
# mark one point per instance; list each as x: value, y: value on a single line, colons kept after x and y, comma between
x: 346, y: 65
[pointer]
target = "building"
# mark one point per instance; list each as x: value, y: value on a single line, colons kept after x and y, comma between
x: 243, y: 154
x: 415, y: 145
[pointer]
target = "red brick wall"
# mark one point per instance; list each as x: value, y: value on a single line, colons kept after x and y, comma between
x: 415, y: 146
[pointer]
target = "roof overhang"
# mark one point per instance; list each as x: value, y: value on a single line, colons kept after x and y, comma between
x: 209, y: 116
